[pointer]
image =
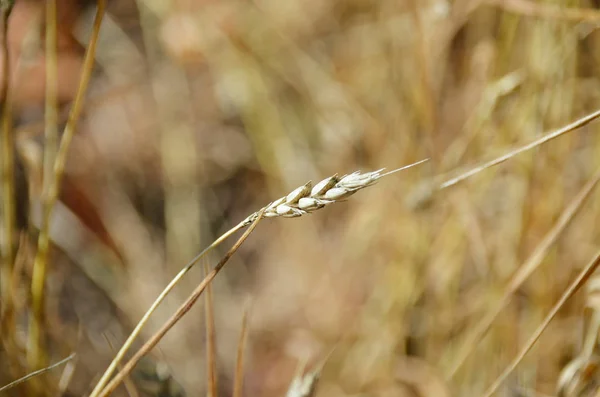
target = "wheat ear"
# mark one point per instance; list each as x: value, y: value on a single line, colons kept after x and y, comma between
x: 307, y: 198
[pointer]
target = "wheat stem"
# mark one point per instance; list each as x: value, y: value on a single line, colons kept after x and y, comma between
x: 138, y: 328
x: 183, y: 309
x: 299, y: 202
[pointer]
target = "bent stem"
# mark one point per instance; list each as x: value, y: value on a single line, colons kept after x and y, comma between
x: 138, y: 328
x: 183, y: 309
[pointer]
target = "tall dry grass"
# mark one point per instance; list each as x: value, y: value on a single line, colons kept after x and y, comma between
x: 200, y: 113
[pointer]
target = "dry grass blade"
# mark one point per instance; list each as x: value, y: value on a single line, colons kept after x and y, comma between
x: 36, y: 373
x: 547, y: 11
x: 524, y: 271
x: 183, y: 309
x: 238, y: 381
x: 583, y: 276
x: 498, y: 160
x: 127, y: 382
x: 51, y: 106
x: 211, y: 346
x: 8, y: 182
x: 35, y: 355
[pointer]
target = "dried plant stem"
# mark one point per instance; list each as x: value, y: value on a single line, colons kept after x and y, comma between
x: 183, y: 309
x: 138, y: 328
x: 51, y: 109
x: 524, y: 271
x: 36, y: 373
x: 582, y: 277
x: 547, y: 11
x: 238, y: 380
x: 498, y: 160
x: 127, y: 382
x: 35, y: 355
x: 211, y: 345
x: 66, y: 377
x: 8, y: 182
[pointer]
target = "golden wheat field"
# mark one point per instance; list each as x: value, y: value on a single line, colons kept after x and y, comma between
x: 137, y: 133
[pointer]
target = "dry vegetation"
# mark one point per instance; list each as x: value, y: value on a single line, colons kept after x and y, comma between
x: 198, y: 113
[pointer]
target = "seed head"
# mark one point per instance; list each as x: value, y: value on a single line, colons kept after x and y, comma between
x: 306, y: 198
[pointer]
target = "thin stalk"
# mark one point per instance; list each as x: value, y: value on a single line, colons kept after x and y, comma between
x: 36, y: 373
x: 211, y: 345
x: 529, y: 8
x: 183, y: 309
x: 523, y: 272
x: 138, y: 328
x: 582, y: 277
x: 35, y: 354
x: 238, y: 385
x: 8, y: 182
x: 543, y: 139
x: 51, y: 109
x: 127, y: 382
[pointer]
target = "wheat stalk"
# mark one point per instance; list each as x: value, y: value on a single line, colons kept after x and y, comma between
x: 299, y: 202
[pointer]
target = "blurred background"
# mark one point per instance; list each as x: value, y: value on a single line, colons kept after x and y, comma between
x: 200, y: 112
